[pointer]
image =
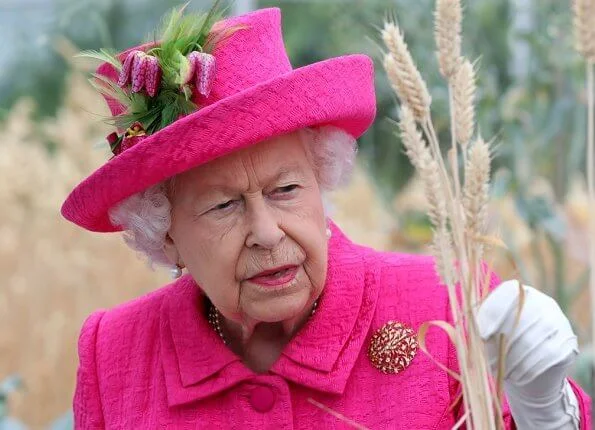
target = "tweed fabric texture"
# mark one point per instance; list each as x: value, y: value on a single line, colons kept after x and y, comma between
x: 155, y: 362
x: 256, y: 95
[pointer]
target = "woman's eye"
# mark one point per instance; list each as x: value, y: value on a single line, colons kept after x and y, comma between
x: 287, y: 188
x: 223, y: 206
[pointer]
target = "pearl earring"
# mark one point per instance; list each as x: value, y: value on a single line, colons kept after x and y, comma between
x: 329, y: 233
x: 176, y: 271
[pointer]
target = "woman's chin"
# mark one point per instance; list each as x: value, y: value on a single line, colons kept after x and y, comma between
x: 280, y: 308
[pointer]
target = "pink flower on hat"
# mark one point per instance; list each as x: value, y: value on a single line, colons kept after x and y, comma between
x: 152, y: 75
x: 142, y: 71
x: 202, y: 70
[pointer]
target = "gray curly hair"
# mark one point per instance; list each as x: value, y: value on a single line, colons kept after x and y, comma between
x: 145, y: 217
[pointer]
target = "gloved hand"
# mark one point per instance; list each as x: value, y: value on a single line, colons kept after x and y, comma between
x: 540, y: 350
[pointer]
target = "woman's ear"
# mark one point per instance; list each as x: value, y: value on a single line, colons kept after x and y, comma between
x: 171, y: 251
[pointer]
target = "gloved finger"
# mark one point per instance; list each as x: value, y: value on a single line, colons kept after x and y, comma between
x: 547, y: 383
x: 495, y: 310
x: 505, y: 310
x: 537, y: 308
x: 517, y: 348
x: 556, y: 352
x: 544, y: 341
x: 526, y: 348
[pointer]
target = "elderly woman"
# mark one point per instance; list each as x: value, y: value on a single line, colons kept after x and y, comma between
x: 280, y: 319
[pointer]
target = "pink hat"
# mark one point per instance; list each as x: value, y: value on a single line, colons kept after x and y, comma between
x: 255, y: 95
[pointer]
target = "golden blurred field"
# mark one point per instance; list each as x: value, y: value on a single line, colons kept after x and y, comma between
x: 54, y: 274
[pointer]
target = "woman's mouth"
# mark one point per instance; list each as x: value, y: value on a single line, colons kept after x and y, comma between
x: 275, y: 277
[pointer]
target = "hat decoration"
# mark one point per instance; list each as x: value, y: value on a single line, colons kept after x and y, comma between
x: 156, y: 85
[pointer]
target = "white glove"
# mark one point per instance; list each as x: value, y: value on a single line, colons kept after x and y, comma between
x: 540, y: 351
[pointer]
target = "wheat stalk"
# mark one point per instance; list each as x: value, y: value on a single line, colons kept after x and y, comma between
x: 403, y: 73
x: 458, y: 217
x: 442, y: 249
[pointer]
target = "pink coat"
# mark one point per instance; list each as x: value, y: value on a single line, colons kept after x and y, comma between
x: 155, y: 363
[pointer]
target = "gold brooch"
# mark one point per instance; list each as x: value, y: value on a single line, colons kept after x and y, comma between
x: 392, y: 347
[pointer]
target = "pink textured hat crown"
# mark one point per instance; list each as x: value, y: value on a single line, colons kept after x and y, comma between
x: 255, y: 95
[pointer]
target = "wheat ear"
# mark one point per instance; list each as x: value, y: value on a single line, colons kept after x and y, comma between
x: 464, y: 89
x: 448, y: 17
x: 476, y: 191
x: 584, y: 28
x: 403, y: 73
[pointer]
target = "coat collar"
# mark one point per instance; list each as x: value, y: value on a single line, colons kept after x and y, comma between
x: 320, y: 356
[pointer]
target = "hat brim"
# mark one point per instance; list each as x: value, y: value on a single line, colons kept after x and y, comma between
x: 337, y: 92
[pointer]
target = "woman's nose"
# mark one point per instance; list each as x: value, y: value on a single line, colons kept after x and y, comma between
x: 264, y: 228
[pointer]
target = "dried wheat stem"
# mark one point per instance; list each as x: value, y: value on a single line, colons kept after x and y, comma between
x: 463, y: 354
x: 432, y: 137
x: 455, y: 213
x: 475, y: 377
x: 463, y: 420
x: 584, y: 30
x: 403, y: 73
x: 453, y: 154
x: 447, y: 32
x: 453, y: 204
x: 337, y: 415
x: 444, y: 257
x: 479, y: 388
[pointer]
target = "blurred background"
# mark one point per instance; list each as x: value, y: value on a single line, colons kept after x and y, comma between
x: 531, y: 102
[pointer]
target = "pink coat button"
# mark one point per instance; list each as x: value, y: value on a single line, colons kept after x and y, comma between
x: 262, y: 398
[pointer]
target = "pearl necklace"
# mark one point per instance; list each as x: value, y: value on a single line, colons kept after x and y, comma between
x: 214, y: 318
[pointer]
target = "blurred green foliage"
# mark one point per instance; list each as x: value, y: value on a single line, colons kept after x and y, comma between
x: 14, y: 383
x: 39, y: 71
x: 7, y: 387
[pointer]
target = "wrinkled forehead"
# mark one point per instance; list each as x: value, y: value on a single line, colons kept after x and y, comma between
x: 265, y: 161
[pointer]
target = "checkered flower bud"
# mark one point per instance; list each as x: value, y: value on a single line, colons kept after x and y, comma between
x: 124, y: 78
x: 139, y: 67
x: 205, y: 73
x: 189, y: 69
x: 152, y: 75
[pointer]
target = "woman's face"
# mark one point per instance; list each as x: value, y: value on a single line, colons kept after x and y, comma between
x: 251, y: 230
